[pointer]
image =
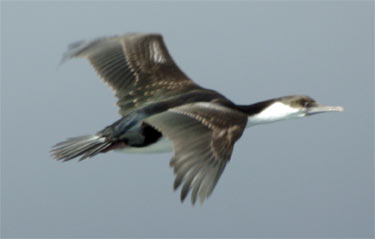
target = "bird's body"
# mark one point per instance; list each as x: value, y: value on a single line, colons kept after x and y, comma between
x: 163, y: 110
x: 162, y: 145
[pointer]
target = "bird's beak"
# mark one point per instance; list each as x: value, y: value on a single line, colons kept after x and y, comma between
x: 322, y: 108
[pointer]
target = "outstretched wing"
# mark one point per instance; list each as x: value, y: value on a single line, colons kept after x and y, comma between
x: 203, y: 136
x: 137, y: 67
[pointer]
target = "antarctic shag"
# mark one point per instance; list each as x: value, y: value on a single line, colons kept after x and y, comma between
x: 162, y: 109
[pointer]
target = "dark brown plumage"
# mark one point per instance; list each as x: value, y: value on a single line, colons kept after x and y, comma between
x: 157, y: 100
x: 146, y: 80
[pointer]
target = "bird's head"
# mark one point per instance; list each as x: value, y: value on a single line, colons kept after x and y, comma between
x: 301, y: 106
x: 287, y: 107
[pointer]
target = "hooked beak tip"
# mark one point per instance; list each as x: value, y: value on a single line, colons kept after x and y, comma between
x: 322, y: 109
x: 337, y: 108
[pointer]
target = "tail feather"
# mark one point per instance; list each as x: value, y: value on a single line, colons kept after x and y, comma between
x: 82, y: 146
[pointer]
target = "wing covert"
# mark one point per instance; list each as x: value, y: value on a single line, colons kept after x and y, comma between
x: 137, y: 67
x: 203, y: 136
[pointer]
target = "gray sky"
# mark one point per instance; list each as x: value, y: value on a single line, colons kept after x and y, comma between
x: 302, y: 178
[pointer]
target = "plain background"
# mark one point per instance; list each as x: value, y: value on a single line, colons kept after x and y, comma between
x: 302, y: 178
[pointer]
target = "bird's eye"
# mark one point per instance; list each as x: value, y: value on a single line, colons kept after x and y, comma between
x: 307, y: 104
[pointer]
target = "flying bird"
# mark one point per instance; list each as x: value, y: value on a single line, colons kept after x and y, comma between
x: 163, y: 110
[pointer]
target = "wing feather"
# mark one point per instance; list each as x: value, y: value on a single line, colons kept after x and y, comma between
x: 203, y: 136
x: 138, y: 67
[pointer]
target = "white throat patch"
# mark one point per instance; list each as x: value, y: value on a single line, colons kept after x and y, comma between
x: 275, y: 112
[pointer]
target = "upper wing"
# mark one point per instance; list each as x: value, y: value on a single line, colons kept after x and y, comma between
x: 138, y: 68
x: 203, y: 136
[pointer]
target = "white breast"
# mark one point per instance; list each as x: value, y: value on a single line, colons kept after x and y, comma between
x: 161, y: 146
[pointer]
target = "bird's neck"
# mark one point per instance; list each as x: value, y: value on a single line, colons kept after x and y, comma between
x: 268, y: 111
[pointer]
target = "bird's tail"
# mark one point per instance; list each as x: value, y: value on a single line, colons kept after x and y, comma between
x: 82, y: 146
